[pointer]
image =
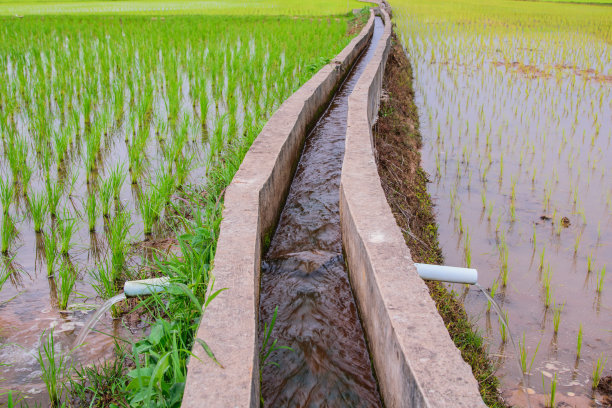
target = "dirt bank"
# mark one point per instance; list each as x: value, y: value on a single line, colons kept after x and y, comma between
x: 398, y: 142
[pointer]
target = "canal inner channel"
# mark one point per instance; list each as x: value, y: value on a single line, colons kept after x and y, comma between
x: 304, y: 274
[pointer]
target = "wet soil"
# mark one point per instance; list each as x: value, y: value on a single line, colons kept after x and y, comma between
x: 398, y: 143
x: 605, y: 388
x: 304, y: 275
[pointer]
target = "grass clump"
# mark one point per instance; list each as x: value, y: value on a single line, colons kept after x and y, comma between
x: 55, y: 366
x: 102, y: 385
x: 67, y: 277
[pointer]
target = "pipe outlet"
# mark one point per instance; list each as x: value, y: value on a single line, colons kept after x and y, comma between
x: 145, y: 287
x: 447, y: 273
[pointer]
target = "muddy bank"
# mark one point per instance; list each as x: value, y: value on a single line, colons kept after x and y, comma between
x: 398, y: 141
x: 304, y: 275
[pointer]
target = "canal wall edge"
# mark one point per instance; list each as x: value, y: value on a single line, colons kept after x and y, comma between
x: 415, y: 360
x: 253, y: 201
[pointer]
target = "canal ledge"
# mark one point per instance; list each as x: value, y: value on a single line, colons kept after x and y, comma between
x: 416, y: 362
x: 253, y: 202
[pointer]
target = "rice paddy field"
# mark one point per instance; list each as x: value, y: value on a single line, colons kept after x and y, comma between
x: 202, y: 7
x: 515, y: 103
x: 119, y: 134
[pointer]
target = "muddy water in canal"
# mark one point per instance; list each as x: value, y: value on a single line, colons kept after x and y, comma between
x: 304, y: 274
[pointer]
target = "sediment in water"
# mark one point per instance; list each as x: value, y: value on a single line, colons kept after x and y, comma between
x: 304, y: 275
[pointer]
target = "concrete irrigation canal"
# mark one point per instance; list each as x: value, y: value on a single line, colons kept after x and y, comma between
x: 305, y: 276
x: 307, y: 231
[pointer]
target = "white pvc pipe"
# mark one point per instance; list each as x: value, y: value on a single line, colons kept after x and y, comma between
x: 447, y: 273
x: 145, y: 287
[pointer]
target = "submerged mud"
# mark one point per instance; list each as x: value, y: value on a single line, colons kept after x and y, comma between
x: 304, y: 275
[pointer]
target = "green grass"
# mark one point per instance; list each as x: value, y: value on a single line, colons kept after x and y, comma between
x: 154, y: 373
x: 55, y: 367
x: 507, y: 18
x: 240, y: 67
x: 158, y: 7
x: 594, y: 2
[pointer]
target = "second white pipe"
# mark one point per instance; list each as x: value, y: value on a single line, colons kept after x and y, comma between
x: 145, y: 287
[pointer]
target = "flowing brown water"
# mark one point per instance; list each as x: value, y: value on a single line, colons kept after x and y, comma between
x: 304, y: 274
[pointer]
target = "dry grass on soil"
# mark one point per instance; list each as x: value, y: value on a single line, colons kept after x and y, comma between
x: 398, y: 142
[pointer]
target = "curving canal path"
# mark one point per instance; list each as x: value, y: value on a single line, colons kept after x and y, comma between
x: 304, y: 274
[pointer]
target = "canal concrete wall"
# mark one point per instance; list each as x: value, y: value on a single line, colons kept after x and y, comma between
x: 415, y: 360
x: 253, y: 201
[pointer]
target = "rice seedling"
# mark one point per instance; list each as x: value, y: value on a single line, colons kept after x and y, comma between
x: 522, y: 346
x: 7, y: 194
x: 55, y: 368
x: 579, y: 342
x: 66, y: 276
x: 50, y: 251
x: 149, y: 205
x: 503, y: 256
x: 597, y: 370
x: 467, y: 249
x: 106, y: 196
x: 552, y: 394
x: 54, y: 194
x: 577, y: 243
x: 105, y: 280
x: 557, y: 317
x: 542, y: 254
x: 66, y: 227
x: 165, y: 185
x: 599, y: 231
x: 4, y: 275
x: 38, y: 209
x: 8, y: 233
x: 116, y: 179
x: 92, y: 211
x: 546, y: 284
x: 183, y: 168
x: 117, y: 236
x: 503, y: 330
x: 492, y: 292
x: 490, y: 211
x: 600, y: 279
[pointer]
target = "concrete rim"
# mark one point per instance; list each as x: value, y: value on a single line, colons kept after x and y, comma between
x: 253, y: 202
x: 416, y: 362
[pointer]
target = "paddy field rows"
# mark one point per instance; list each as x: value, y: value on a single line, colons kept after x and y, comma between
x: 119, y: 134
x: 515, y: 102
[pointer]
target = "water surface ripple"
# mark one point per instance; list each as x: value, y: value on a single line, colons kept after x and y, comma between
x: 304, y: 274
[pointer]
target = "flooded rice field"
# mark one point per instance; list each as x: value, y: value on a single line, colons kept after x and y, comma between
x: 517, y: 126
x: 304, y: 277
x: 109, y: 127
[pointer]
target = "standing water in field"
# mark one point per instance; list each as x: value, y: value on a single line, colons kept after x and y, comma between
x: 516, y: 118
x: 504, y: 321
x: 304, y: 274
x: 110, y: 126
